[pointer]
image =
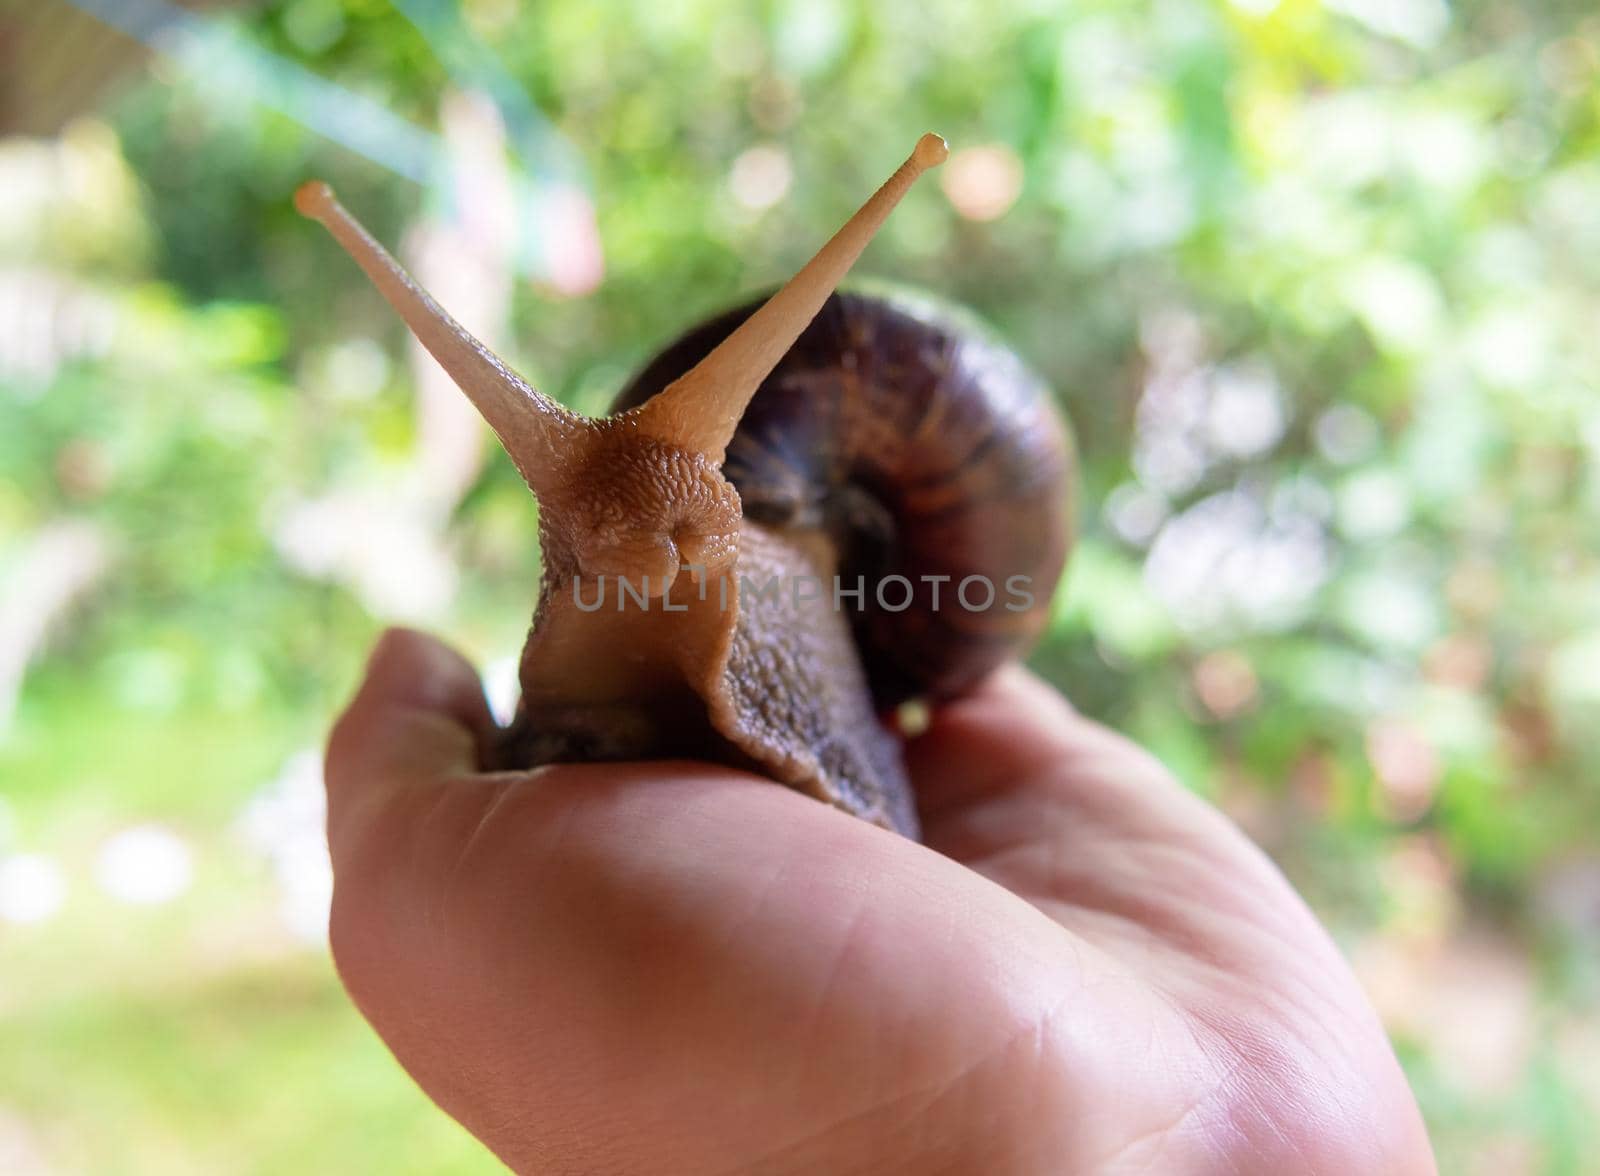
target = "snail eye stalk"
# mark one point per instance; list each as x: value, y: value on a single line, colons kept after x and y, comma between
x: 538, y: 433
x: 700, y: 410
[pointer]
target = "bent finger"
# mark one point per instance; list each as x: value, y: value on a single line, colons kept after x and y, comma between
x: 418, y: 716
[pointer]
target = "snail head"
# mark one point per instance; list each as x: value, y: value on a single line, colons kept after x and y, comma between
x: 638, y: 496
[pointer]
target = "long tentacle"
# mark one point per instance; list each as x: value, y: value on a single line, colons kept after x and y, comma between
x: 537, y: 432
x: 700, y: 410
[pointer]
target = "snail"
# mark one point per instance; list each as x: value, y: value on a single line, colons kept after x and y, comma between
x: 798, y: 515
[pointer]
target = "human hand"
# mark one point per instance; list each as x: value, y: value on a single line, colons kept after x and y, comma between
x: 681, y: 968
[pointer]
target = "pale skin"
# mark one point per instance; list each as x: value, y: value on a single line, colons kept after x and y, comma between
x: 678, y: 967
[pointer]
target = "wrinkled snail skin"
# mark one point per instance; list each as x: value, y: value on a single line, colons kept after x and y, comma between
x: 693, y: 541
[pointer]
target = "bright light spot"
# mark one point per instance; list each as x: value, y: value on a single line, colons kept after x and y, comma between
x: 1135, y: 513
x: 305, y: 876
x: 353, y: 369
x: 1399, y: 302
x: 379, y: 544
x: 1374, y: 504
x: 1156, y: 212
x: 1345, y: 139
x: 1447, y: 150
x: 1512, y: 348
x: 32, y: 888
x: 1507, y: 258
x: 982, y: 182
x: 1191, y: 413
x: 1345, y: 434
x: 811, y: 36
x: 1390, y: 610
x: 286, y: 824
x: 1417, y: 22
x: 913, y: 717
x: 1256, y: 7
x: 502, y: 688
x: 1451, y: 436
x: 761, y: 177
x: 1169, y: 461
x: 1245, y: 415
x: 1225, y: 563
x: 146, y: 865
x: 1573, y: 675
x: 1166, y: 454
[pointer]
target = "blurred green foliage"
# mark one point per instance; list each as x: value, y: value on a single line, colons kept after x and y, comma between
x: 1318, y: 285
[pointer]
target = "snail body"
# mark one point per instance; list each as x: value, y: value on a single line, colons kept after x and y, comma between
x: 799, y: 514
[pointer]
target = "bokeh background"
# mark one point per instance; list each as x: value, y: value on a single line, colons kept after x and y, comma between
x: 1318, y: 282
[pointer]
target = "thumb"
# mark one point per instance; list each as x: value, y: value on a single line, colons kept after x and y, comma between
x: 418, y: 716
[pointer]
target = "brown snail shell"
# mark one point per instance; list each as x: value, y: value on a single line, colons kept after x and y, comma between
x: 925, y: 450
